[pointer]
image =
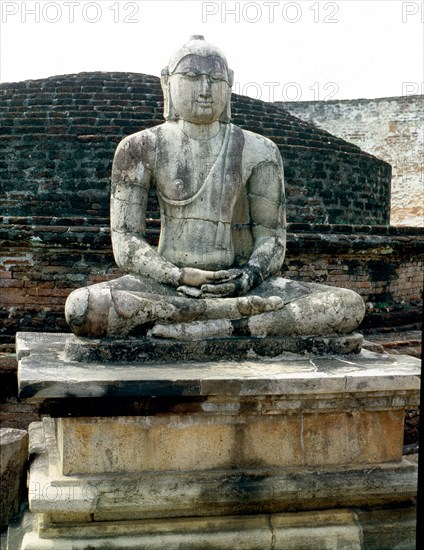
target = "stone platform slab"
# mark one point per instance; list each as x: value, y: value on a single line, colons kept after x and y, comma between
x: 154, y: 350
x: 45, y: 374
x: 338, y: 529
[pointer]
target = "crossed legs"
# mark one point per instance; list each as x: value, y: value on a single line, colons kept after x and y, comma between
x: 131, y: 305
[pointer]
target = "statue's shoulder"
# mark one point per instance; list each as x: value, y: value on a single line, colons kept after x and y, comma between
x: 139, y: 146
x: 143, y: 137
x: 259, y: 147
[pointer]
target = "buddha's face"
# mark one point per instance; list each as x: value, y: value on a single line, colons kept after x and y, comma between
x: 200, y: 88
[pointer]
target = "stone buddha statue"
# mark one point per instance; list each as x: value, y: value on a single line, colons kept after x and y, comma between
x: 222, y: 242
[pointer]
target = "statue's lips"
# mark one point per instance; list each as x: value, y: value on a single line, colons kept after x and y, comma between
x: 204, y: 103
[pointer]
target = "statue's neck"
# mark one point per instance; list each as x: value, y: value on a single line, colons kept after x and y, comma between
x: 199, y: 131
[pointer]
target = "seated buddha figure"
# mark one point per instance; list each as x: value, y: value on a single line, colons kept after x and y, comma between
x: 215, y: 272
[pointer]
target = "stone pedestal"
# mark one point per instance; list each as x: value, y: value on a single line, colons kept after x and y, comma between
x: 290, y: 452
x: 13, y: 469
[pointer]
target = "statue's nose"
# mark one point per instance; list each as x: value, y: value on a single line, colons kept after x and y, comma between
x: 205, y: 86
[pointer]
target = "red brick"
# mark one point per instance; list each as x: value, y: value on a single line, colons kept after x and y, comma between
x: 39, y: 284
x: 10, y: 283
x: 48, y: 292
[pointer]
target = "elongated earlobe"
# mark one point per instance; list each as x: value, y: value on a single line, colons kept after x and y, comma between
x: 168, y: 108
x: 226, y: 113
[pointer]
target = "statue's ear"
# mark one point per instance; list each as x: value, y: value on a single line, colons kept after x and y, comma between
x: 164, y: 79
x: 226, y: 114
x: 167, y: 101
x: 230, y: 77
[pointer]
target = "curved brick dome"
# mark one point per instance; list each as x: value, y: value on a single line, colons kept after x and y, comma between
x: 58, y: 136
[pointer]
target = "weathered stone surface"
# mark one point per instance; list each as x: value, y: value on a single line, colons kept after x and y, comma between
x: 389, y: 527
x: 178, y: 442
x: 317, y: 530
x: 353, y: 437
x: 13, y: 463
x: 203, y: 441
x: 314, y: 530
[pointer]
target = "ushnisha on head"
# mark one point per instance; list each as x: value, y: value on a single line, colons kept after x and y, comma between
x: 197, y: 84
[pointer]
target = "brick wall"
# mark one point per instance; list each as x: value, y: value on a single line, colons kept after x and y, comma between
x: 390, y: 128
x: 58, y: 136
x: 385, y: 265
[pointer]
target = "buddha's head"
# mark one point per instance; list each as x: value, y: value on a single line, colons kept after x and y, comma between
x: 197, y: 84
